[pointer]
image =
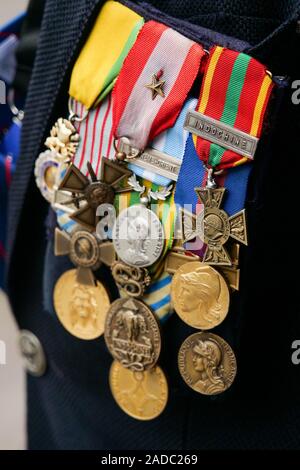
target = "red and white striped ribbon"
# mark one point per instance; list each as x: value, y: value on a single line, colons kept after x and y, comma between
x: 96, y: 136
x: 157, y: 50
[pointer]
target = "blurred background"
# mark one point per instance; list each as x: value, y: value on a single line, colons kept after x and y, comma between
x: 12, y: 379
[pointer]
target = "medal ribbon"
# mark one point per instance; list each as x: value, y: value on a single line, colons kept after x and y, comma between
x: 101, y: 58
x: 136, y: 115
x: 235, y: 91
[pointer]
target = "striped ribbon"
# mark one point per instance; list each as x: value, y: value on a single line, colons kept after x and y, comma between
x: 235, y: 90
x: 96, y: 140
x: 172, y: 142
x: 158, y: 297
x: 96, y: 137
x: 135, y: 114
x: 101, y: 58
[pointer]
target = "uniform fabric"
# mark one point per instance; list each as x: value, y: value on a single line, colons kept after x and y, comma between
x: 70, y: 407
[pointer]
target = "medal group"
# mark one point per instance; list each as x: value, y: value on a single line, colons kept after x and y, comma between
x: 151, y: 182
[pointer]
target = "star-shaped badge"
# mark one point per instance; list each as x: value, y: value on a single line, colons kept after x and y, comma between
x: 156, y: 86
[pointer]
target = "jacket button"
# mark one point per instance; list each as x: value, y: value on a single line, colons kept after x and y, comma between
x: 33, y: 353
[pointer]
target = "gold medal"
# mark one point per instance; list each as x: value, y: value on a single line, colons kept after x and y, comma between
x: 132, y: 334
x: 142, y: 395
x: 81, y: 308
x: 200, y: 295
x: 207, y: 363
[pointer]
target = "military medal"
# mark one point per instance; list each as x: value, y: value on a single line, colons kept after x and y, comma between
x: 225, y: 129
x: 85, y: 250
x: 80, y: 308
x: 63, y: 139
x: 207, y: 363
x: 138, y: 234
x: 141, y: 395
x: 214, y: 226
x: 88, y: 195
x: 46, y: 174
x: 132, y: 334
x: 200, y: 295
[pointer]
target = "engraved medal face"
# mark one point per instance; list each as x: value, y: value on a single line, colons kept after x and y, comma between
x: 84, y: 250
x: 207, y: 363
x: 46, y: 174
x: 138, y: 236
x: 141, y: 395
x: 214, y: 227
x: 132, y: 334
x: 200, y: 295
x: 81, y: 308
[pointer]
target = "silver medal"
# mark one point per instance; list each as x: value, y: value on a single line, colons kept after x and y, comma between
x: 46, y: 174
x: 138, y: 236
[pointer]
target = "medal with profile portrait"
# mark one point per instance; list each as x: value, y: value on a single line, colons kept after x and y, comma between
x: 207, y: 363
x: 200, y: 295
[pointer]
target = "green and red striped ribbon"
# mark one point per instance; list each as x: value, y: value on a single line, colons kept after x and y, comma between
x: 235, y: 91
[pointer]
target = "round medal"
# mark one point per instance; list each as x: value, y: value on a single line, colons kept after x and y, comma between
x: 132, y: 334
x: 84, y: 250
x: 142, y: 395
x: 81, y: 308
x: 46, y: 174
x: 207, y: 363
x: 200, y: 295
x: 138, y: 236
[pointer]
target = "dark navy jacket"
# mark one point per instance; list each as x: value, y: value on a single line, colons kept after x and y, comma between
x: 71, y: 407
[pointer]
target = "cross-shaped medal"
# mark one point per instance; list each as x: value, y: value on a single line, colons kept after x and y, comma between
x: 86, y: 251
x: 94, y: 192
x: 214, y: 227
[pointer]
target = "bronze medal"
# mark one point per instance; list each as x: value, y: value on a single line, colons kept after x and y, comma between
x: 207, y: 363
x: 214, y: 227
x: 141, y: 395
x: 81, y: 308
x: 200, y: 295
x: 84, y: 248
x: 132, y: 334
x: 88, y: 195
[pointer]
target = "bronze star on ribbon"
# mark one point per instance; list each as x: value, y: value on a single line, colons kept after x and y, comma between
x: 156, y: 86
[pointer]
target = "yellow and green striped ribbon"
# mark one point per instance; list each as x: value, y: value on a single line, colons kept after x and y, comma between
x: 101, y: 58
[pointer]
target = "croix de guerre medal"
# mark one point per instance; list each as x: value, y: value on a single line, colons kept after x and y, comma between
x: 88, y: 194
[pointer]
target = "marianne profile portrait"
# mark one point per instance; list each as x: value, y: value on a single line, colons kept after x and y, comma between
x: 199, y: 297
x: 207, y: 361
